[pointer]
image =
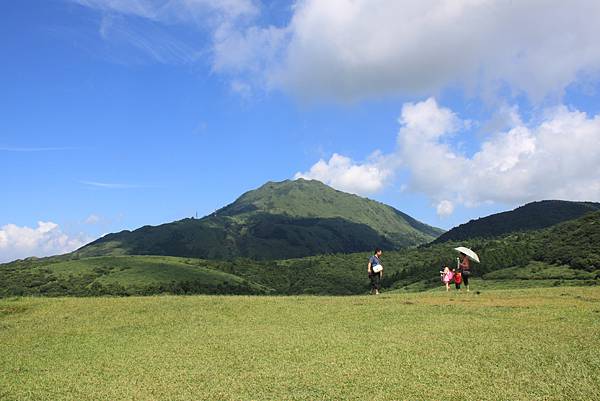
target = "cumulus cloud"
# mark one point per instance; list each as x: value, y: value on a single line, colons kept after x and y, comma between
x: 556, y: 158
x: 342, y: 173
x: 44, y: 240
x: 445, y: 208
x: 349, y: 50
x: 251, y: 50
x: 352, y: 49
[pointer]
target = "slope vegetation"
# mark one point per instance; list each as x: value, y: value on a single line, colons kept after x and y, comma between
x: 532, y: 216
x: 279, y: 220
x: 565, y: 254
x: 120, y: 275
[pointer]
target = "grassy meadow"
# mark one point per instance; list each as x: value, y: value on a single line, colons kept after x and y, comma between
x: 517, y: 344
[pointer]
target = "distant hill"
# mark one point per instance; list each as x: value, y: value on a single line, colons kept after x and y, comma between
x: 120, y: 275
x: 567, y: 253
x: 575, y: 243
x: 564, y: 254
x: 532, y: 216
x: 278, y: 220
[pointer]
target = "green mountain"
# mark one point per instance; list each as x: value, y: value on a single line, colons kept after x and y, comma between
x: 532, y: 216
x: 566, y: 251
x: 575, y: 243
x: 278, y: 220
x: 564, y: 254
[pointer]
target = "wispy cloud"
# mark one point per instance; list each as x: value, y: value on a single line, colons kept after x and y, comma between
x: 32, y: 149
x: 93, y: 219
x: 149, y: 39
x: 146, y: 26
x: 196, y: 11
x: 112, y: 185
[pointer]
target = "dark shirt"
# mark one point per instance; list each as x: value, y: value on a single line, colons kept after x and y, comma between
x: 374, y: 260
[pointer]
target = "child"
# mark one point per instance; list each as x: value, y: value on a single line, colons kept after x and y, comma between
x: 447, y: 277
x: 457, y: 279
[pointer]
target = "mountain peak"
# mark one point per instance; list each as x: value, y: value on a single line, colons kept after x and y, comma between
x: 291, y: 218
x: 289, y: 197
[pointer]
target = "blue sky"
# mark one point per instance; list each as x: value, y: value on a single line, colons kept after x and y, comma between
x: 122, y: 113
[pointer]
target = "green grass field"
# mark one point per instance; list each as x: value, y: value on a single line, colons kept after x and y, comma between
x: 139, y: 271
x: 526, y: 344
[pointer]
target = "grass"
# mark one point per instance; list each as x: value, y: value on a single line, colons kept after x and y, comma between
x: 120, y: 275
x: 534, y: 344
x: 342, y: 274
x: 540, y: 271
x: 140, y: 270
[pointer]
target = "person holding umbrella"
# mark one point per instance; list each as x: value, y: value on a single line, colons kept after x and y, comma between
x: 464, y: 265
x: 464, y: 268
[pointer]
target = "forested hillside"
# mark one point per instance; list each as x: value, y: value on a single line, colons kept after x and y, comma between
x: 532, y: 216
x: 565, y: 252
x: 276, y: 221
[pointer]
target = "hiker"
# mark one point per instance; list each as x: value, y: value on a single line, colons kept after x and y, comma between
x: 457, y: 279
x: 447, y: 277
x: 375, y: 270
x: 465, y: 269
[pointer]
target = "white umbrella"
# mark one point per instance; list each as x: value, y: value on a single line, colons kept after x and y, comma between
x: 470, y: 254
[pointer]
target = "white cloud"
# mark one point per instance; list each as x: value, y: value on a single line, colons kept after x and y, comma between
x: 93, y: 219
x: 252, y: 50
x: 342, y: 173
x: 22, y: 149
x: 146, y: 25
x: 243, y: 89
x: 352, y: 49
x: 428, y: 119
x: 111, y: 185
x: 423, y: 147
x: 445, y: 208
x: 44, y: 240
x: 557, y: 158
x: 148, y: 40
x: 146, y: 9
x: 176, y: 10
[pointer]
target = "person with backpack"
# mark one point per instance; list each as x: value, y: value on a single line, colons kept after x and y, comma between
x: 375, y: 271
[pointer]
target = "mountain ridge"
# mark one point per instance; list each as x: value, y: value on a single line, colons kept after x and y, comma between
x: 531, y: 216
x: 277, y: 220
x: 564, y: 254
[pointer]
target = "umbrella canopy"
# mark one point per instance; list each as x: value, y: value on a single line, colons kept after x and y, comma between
x: 470, y: 254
